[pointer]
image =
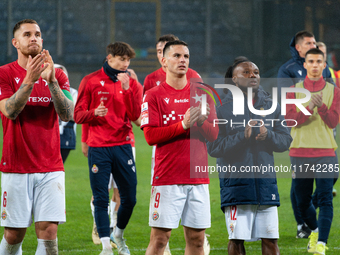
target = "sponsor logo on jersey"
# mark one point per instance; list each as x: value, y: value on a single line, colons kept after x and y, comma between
x: 145, y: 118
x: 300, y: 72
x: 155, y: 215
x: 145, y: 107
x: 17, y: 79
x: 177, y: 101
x: 102, y: 83
x: 169, y: 117
x: 103, y: 92
x: 95, y: 169
x: 157, y: 83
x: 121, y: 92
x: 166, y: 100
x: 4, y: 215
x: 39, y: 99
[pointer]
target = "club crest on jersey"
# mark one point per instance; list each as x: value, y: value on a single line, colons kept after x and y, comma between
x: 166, y: 100
x: 95, y: 169
x: 102, y: 83
x: 155, y: 215
x: 4, y: 215
x: 158, y: 82
x: 130, y: 162
x: 170, y: 117
x: 231, y: 226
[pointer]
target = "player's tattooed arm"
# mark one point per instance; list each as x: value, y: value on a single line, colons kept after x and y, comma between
x: 63, y: 106
x: 11, y: 107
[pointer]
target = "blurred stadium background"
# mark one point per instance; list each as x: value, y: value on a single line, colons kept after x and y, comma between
x: 76, y: 32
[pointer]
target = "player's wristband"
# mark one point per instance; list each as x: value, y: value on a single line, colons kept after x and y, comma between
x: 184, y: 126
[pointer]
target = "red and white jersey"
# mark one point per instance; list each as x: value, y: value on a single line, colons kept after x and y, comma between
x: 115, y: 127
x: 165, y: 106
x: 159, y: 76
x: 31, y: 142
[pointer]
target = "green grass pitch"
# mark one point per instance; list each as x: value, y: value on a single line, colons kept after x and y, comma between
x: 74, y: 237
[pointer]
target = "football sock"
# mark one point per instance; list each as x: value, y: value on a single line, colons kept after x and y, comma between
x: 92, y: 209
x: 106, y: 243
x: 49, y: 247
x: 119, y: 232
x: 9, y: 249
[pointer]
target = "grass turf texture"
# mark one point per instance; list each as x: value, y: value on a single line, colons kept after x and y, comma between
x: 74, y: 237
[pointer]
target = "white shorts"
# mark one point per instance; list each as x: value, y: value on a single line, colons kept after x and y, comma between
x: 188, y: 203
x: 112, y: 182
x: 252, y: 222
x: 41, y: 195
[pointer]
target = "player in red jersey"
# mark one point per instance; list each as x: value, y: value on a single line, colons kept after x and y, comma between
x: 108, y: 101
x: 115, y: 201
x: 169, y: 122
x: 154, y: 79
x: 32, y: 95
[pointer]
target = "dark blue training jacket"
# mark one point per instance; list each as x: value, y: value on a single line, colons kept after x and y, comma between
x: 293, y: 71
x: 231, y: 148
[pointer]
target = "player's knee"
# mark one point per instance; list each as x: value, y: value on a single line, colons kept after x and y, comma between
x: 195, y: 240
x: 128, y: 202
x: 101, y: 203
x: 46, y: 230
x: 14, y: 235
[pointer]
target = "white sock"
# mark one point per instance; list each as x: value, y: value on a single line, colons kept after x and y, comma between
x: 92, y: 209
x: 112, y: 207
x: 113, y: 215
x: 47, y: 247
x: 316, y: 230
x: 299, y: 227
x: 9, y: 249
x: 321, y: 243
x: 106, y: 243
x: 119, y: 232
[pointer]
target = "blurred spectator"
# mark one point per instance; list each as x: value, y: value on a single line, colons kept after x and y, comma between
x: 67, y: 129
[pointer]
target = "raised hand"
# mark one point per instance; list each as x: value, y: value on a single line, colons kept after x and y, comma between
x: 202, y: 118
x: 101, y: 110
x: 191, y: 116
x: 124, y: 79
x: 34, y: 68
x: 247, y: 130
x: 133, y: 75
x: 49, y: 72
x: 263, y: 133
